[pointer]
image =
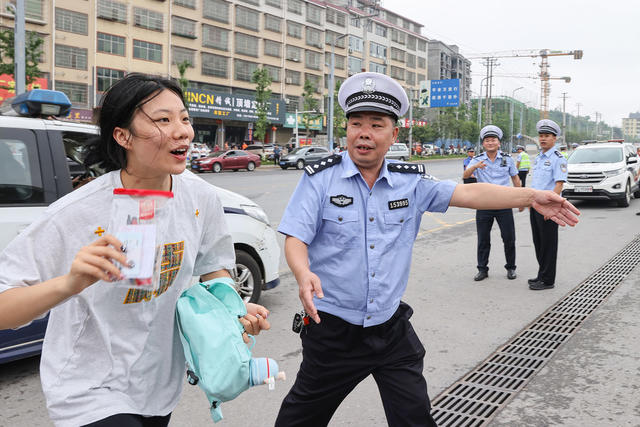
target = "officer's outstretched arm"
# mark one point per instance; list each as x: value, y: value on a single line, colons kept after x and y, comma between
x: 295, y: 250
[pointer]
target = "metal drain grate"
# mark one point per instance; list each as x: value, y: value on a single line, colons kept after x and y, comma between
x: 478, y: 396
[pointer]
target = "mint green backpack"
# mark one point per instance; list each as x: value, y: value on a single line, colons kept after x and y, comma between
x: 217, y: 358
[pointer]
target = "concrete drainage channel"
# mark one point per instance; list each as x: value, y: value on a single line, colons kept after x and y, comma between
x: 482, y: 393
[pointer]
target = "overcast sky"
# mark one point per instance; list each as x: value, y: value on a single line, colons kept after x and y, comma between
x: 606, y: 79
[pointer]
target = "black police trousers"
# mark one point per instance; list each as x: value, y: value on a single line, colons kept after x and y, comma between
x: 337, y: 356
x: 545, y: 240
x: 484, y: 222
x: 523, y: 177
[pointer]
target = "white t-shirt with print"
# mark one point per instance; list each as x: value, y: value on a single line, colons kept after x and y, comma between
x: 110, y: 349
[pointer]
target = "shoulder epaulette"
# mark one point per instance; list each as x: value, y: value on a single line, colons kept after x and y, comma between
x: 559, y: 154
x: 406, y: 167
x: 322, y: 164
x: 504, y: 154
x: 478, y: 156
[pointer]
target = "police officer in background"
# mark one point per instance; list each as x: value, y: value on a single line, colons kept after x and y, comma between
x: 549, y: 173
x: 494, y: 167
x: 350, y: 227
x: 470, y: 153
x: 523, y: 164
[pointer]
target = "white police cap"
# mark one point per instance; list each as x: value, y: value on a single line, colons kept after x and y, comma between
x: 373, y: 92
x: 490, y: 130
x: 548, y: 126
x: 519, y: 147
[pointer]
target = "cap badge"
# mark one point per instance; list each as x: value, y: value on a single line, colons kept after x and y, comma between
x: 368, y: 86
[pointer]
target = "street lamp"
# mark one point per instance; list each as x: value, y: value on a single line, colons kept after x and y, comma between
x: 331, y: 89
x: 511, y: 131
x: 300, y: 112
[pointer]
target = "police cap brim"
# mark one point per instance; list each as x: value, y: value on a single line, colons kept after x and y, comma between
x: 368, y: 109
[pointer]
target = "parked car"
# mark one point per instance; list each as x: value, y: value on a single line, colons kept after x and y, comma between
x: 398, y: 151
x: 299, y: 157
x: 265, y: 151
x: 51, y: 153
x: 226, y: 160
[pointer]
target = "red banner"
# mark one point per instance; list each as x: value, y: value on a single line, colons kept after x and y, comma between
x: 6, y: 80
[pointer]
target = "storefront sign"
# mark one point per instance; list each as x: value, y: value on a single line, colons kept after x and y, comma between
x: 203, y: 103
x: 7, y: 81
x: 315, y: 122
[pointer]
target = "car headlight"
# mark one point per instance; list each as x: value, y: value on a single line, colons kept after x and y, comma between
x: 256, y: 212
x: 614, y: 172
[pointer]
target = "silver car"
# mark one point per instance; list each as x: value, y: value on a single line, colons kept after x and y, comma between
x: 300, y: 156
x: 398, y: 151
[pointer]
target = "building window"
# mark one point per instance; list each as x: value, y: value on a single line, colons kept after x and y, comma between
x: 377, y: 50
x: 314, y: 37
x: 398, y: 36
x: 294, y: 6
x: 330, y: 36
x: 247, y: 45
x: 182, y: 54
x: 253, y: 2
x: 77, y: 92
x: 294, y: 53
x: 215, y: 37
x: 272, y: 23
x: 191, y: 4
x: 411, y: 78
x: 314, y: 80
x: 73, y: 22
x: 111, y: 44
x: 292, y: 77
x: 355, y: 65
x: 355, y: 44
x: 33, y: 9
x: 274, y: 73
x: 411, y: 42
x: 314, y: 14
x: 112, y: 10
x: 335, y: 17
x: 215, y: 65
x: 145, y: 18
x: 355, y: 21
x: 422, y: 63
x: 411, y: 60
x: 339, y: 60
x: 377, y: 68
x: 183, y: 27
x: 381, y: 30
x: 274, y: 3
x: 218, y: 10
x: 313, y: 60
x: 148, y: 51
x: 422, y: 45
x: 247, y: 18
x: 421, y: 78
x: 336, y: 80
x: 244, y: 69
x: 107, y: 77
x: 397, y: 54
x: 71, y: 57
x: 294, y: 29
x: 397, y: 73
x: 272, y: 48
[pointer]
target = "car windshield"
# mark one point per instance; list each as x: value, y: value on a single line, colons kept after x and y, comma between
x: 597, y: 155
x: 296, y: 150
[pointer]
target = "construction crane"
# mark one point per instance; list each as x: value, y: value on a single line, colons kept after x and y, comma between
x: 544, y: 55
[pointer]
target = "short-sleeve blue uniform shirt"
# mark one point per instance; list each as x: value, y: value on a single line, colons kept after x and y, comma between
x: 360, y: 239
x: 548, y: 168
x: 498, y: 171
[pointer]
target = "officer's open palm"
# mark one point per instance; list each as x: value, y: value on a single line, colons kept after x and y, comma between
x: 554, y: 207
x: 480, y: 165
x: 309, y: 285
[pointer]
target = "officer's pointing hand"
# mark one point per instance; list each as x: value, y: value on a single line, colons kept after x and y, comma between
x: 554, y: 207
x: 480, y: 165
x: 309, y: 285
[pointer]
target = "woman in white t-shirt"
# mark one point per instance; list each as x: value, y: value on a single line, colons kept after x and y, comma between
x: 111, y: 356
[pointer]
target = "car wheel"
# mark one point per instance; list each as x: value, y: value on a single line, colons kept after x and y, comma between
x: 251, y: 166
x: 248, y: 278
x: 401, y: 159
x: 217, y: 167
x: 624, y: 203
x: 636, y: 194
x: 300, y: 164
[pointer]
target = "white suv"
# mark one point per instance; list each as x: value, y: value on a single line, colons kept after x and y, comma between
x: 605, y: 171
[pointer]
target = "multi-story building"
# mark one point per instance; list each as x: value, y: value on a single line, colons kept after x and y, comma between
x: 446, y: 62
x: 631, y: 126
x: 89, y: 44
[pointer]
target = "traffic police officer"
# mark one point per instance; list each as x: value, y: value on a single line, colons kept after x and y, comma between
x: 523, y: 164
x: 494, y: 167
x: 470, y: 153
x: 549, y: 173
x: 350, y: 227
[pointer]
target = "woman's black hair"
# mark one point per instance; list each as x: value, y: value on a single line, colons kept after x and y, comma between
x: 119, y: 105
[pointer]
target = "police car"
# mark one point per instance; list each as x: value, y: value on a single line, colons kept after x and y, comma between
x: 41, y: 161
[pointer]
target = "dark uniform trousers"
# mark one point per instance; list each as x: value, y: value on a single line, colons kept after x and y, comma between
x: 338, y: 355
x: 545, y: 240
x: 484, y: 222
x: 523, y: 177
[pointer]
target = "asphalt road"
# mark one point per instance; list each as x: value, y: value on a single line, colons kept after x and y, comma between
x: 460, y: 321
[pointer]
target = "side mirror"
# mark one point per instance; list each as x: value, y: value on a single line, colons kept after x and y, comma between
x: 632, y: 160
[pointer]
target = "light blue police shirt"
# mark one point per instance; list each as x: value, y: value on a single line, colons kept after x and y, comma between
x: 360, y: 239
x: 498, y: 172
x: 548, y: 168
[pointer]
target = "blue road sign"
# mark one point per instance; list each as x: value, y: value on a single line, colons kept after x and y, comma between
x: 445, y: 93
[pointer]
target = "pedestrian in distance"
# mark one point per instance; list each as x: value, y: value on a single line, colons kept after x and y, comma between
x: 111, y: 356
x: 564, y: 152
x: 359, y: 207
x: 471, y: 152
x: 276, y: 154
x: 549, y: 173
x: 494, y: 167
x: 523, y: 164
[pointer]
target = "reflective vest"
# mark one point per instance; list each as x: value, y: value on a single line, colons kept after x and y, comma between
x: 565, y: 154
x: 525, y: 163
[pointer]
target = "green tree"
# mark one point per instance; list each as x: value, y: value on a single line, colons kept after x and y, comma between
x: 33, y: 52
x: 339, y: 118
x: 182, y: 69
x: 262, y: 80
x: 310, y: 103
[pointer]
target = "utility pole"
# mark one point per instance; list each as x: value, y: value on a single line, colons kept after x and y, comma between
x: 19, y: 44
x: 490, y: 63
x: 578, y: 127
x: 564, y: 119
x: 511, y: 114
x: 332, y: 89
